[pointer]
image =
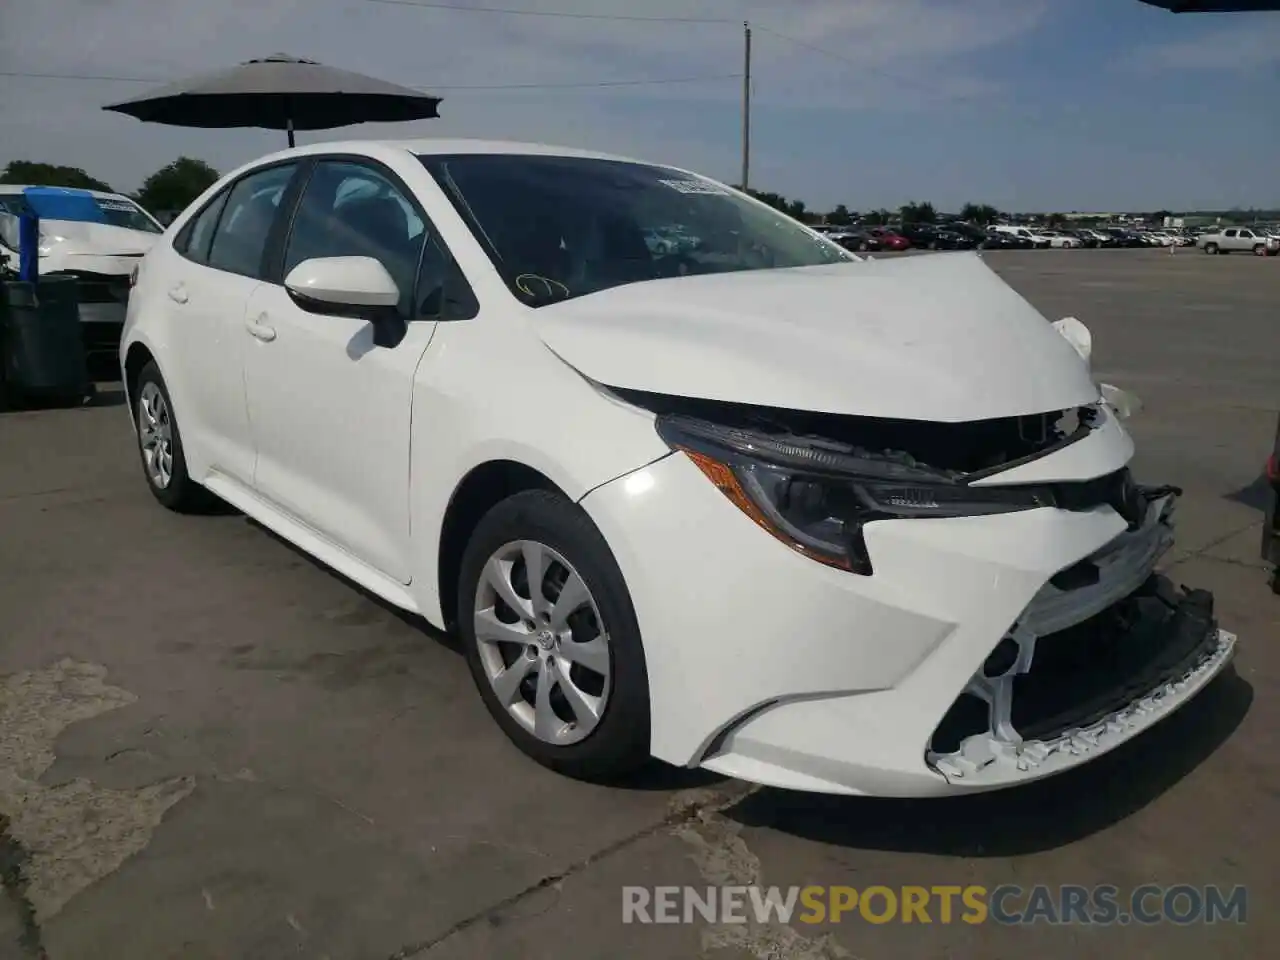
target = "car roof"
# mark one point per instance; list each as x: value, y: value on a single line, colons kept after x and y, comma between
x: 438, y: 146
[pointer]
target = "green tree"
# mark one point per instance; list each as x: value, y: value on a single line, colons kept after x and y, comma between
x: 36, y: 174
x: 918, y: 212
x: 979, y: 213
x: 174, y: 186
x: 840, y: 216
x: 1055, y: 220
x: 796, y: 210
x: 878, y: 218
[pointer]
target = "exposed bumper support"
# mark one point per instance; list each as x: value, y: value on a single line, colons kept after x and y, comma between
x: 1155, y: 655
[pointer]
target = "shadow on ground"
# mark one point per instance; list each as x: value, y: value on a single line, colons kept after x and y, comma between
x: 1255, y: 495
x: 1039, y: 817
x: 654, y: 776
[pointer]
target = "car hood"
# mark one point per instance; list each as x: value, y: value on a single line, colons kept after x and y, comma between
x: 939, y: 337
x: 98, y: 238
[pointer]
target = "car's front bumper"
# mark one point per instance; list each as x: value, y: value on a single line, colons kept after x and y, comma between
x: 768, y: 666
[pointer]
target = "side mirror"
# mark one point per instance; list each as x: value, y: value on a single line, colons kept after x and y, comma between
x: 358, y: 287
x: 350, y: 286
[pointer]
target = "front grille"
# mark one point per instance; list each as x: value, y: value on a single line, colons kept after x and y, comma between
x: 98, y: 289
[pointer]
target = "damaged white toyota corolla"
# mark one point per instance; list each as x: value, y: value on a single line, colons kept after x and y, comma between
x: 688, y: 479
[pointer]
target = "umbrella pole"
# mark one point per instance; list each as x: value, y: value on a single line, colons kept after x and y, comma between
x: 288, y: 125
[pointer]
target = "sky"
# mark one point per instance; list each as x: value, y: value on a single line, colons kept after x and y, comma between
x: 1050, y: 105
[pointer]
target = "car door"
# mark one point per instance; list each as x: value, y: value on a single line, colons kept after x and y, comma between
x: 215, y: 266
x: 1247, y: 239
x: 331, y: 410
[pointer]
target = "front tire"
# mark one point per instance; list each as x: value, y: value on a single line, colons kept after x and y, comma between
x: 160, y: 446
x: 551, y: 638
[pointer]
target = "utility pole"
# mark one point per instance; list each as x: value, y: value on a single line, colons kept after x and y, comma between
x: 746, y: 104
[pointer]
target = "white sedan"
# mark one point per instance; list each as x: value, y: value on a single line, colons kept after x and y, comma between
x: 756, y: 505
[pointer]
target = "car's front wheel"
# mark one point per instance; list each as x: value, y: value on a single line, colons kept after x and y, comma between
x: 551, y: 637
x: 160, y: 445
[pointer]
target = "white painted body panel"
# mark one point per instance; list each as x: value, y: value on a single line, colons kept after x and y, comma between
x: 916, y: 338
x: 354, y: 453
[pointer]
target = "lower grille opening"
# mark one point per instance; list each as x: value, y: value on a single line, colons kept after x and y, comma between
x: 967, y: 716
x: 1083, y: 674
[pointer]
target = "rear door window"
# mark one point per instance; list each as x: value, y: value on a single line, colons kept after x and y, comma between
x: 250, y: 212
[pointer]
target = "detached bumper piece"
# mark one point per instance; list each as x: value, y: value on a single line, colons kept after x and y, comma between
x: 1095, y: 659
x: 103, y: 301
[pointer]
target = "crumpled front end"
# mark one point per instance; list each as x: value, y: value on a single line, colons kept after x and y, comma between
x: 1104, y: 650
x: 975, y: 608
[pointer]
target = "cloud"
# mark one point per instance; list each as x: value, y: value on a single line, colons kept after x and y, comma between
x: 810, y: 55
x: 1244, y: 45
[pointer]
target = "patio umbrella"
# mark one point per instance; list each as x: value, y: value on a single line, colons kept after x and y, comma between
x: 280, y: 92
x: 1214, y: 6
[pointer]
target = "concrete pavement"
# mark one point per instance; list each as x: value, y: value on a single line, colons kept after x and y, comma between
x: 212, y: 747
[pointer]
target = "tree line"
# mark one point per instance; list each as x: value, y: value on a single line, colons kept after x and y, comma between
x: 169, y: 190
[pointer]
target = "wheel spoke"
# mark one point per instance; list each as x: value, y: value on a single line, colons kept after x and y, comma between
x: 497, y: 573
x: 586, y: 708
x: 572, y: 596
x: 507, y: 683
x: 535, y: 568
x: 489, y: 629
x: 545, y: 722
x: 592, y: 655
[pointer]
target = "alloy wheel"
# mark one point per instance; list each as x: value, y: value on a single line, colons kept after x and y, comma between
x: 542, y: 642
x: 155, y: 436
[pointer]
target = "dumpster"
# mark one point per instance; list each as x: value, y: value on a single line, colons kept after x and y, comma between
x: 41, y: 348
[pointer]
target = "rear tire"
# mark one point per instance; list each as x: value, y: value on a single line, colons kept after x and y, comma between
x: 164, y: 464
x: 594, y: 721
x: 1211, y: 248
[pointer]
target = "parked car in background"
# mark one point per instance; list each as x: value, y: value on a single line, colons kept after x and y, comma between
x: 1037, y: 239
x: 856, y: 239
x: 1062, y: 239
x: 1087, y: 238
x: 1121, y: 237
x: 927, y: 236
x: 978, y: 236
x: 99, y: 249
x: 696, y: 506
x: 890, y: 239
x: 1236, y: 240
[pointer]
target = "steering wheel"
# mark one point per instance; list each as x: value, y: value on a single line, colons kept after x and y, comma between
x: 678, y: 264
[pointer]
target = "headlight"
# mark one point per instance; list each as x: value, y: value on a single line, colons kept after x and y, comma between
x: 47, y: 243
x: 816, y: 498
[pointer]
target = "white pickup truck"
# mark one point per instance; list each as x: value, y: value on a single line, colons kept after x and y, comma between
x: 1231, y: 239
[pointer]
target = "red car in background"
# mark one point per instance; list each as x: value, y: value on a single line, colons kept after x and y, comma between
x: 890, y: 239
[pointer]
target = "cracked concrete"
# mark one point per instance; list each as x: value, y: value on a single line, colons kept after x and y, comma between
x: 355, y: 800
x: 723, y: 859
x: 75, y: 833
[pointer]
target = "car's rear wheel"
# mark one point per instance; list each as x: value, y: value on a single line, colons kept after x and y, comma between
x: 1211, y: 248
x: 551, y: 638
x: 160, y: 446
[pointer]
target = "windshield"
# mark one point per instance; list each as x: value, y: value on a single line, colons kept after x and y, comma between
x: 562, y: 227
x: 117, y: 211
x: 120, y: 212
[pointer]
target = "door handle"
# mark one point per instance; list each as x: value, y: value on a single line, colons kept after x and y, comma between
x: 259, y: 329
x: 178, y: 294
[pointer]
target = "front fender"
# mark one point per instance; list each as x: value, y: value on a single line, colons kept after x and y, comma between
x: 489, y: 390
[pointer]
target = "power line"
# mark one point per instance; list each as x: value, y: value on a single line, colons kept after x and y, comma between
x: 654, y: 81
x: 896, y: 78
x: 560, y: 14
